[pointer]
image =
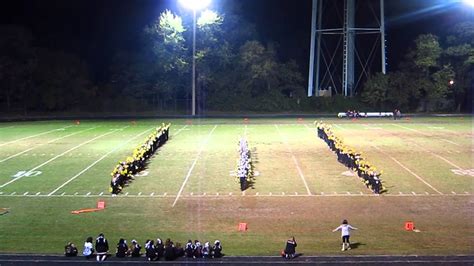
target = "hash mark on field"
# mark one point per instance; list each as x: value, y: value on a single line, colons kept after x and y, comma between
x: 13, y: 193
x: 64, y: 193
x: 194, y: 164
x: 408, y: 170
x: 152, y: 194
x: 75, y: 194
x: 1, y: 192
x: 126, y: 194
x: 26, y: 193
x: 348, y: 193
x: 101, y: 193
x: 164, y: 194
x: 454, y: 193
x: 360, y: 192
x: 296, y: 193
x: 288, y: 147
x: 256, y: 194
x: 217, y: 194
x: 427, y: 193
x: 94, y: 163
x: 413, y: 193
x: 139, y: 193
x: 269, y: 194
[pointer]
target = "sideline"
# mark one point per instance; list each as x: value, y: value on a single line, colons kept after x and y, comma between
x: 194, y: 164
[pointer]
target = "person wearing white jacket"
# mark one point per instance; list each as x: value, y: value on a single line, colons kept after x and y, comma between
x: 345, y: 228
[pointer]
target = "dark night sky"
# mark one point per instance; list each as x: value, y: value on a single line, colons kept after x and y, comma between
x: 96, y: 29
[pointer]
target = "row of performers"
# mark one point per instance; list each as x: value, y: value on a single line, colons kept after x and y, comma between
x: 351, y: 159
x: 244, y: 165
x: 125, y: 170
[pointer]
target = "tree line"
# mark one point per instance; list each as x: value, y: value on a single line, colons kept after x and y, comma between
x: 235, y: 72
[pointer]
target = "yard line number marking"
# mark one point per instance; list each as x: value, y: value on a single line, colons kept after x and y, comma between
x: 37, y: 135
x: 57, y: 156
x: 192, y: 166
x: 51, y: 141
x: 294, y: 159
x: 408, y: 170
x: 96, y: 162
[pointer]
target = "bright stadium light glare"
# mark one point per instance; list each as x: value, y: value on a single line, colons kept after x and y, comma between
x: 469, y: 2
x: 195, y: 4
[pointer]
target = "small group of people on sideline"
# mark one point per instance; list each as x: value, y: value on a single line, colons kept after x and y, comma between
x: 397, y: 114
x: 153, y: 250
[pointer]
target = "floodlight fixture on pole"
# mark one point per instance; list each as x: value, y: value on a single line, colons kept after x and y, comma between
x: 194, y: 5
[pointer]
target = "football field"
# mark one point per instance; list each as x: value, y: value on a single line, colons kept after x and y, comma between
x: 189, y: 189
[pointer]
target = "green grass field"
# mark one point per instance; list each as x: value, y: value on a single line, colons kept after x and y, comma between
x: 50, y: 168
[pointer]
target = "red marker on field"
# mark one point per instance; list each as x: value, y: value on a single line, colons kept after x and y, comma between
x: 300, y: 120
x: 189, y: 122
x: 246, y: 120
x: 77, y: 122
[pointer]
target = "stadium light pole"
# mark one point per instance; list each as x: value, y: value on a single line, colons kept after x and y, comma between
x: 469, y: 2
x: 194, y: 5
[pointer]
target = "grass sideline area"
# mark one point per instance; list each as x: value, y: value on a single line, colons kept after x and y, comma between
x: 49, y: 168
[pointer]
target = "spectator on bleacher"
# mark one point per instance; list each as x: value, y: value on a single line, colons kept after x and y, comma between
x: 70, y: 250
x: 102, y: 247
x: 151, y: 253
x: 135, y: 249
x: 217, y: 249
x: 122, y: 249
x: 88, y: 251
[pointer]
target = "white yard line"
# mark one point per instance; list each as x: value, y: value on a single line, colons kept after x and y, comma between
x: 408, y: 170
x: 57, y: 156
x: 427, y: 135
x: 97, y: 161
x: 194, y: 163
x: 426, y: 150
x: 37, y: 135
x: 51, y: 141
x: 294, y: 159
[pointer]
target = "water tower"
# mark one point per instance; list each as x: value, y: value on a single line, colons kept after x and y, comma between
x: 347, y: 45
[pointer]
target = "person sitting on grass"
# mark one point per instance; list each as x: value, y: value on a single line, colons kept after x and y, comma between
x: 197, y: 253
x: 206, y: 250
x: 169, y: 250
x: 135, y: 249
x: 102, y: 247
x: 70, y: 250
x: 189, y: 249
x: 290, y: 248
x: 122, y: 249
x: 217, y: 249
x: 151, y: 253
x: 88, y: 251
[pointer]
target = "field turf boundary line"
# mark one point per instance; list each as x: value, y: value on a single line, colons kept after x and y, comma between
x: 194, y: 164
x: 408, y: 170
x: 37, y: 135
x: 51, y: 141
x: 222, y: 196
x: 57, y: 156
x: 97, y: 161
x: 298, y: 168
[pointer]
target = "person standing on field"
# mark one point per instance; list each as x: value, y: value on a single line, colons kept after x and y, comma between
x: 345, y: 228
